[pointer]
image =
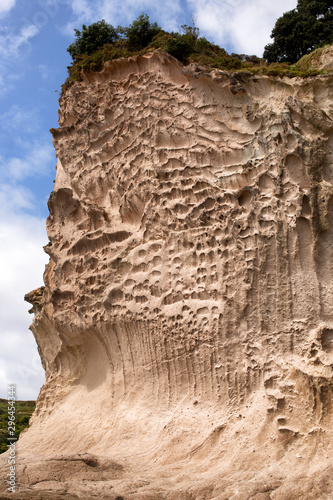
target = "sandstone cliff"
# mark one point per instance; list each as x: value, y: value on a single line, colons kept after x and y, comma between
x: 186, y: 325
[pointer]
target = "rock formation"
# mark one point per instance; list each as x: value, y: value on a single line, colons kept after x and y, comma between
x: 186, y: 324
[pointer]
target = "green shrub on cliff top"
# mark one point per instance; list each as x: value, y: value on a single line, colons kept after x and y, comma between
x: 140, y: 33
x: 101, y: 42
x: 92, y: 38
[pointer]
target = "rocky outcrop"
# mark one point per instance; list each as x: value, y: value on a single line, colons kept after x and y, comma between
x: 186, y: 325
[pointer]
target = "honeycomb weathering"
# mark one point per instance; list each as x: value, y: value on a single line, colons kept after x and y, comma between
x: 186, y: 325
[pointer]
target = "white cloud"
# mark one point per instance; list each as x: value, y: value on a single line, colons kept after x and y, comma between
x: 34, y: 160
x: 11, y: 43
x: 18, y: 127
x: 246, y: 25
x: 123, y: 13
x: 8, y: 78
x: 15, y: 198
x: 5, y: 78
x: 22, y: 263
x: 83, y: 14
x: 6, y: 6
x: 83, y: 8
x: 164, y: 13
x: 18, y: 119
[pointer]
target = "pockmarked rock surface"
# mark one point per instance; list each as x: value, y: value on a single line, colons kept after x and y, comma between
x: 186, y: 324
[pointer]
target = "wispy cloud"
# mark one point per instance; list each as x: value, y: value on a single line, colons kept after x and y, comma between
x: 15, y: 199
x: 35, y: 159
x: 168, y: 15
x: 11, y: 42
x: 19, y: 128
x: 244, y: 25
x: 6, y: 6
x: 45, y: 71
x: 19, y: 119
x: 83, y: 8
x: 8, y: 77
x: 13, y: 39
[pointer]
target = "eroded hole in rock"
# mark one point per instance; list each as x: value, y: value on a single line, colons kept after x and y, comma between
x: 327, y: 340
x: 295, y: 171
x: 115, y: 295
x: 91, y: 462
x: 266, y: 183
x: 244, y: 199
x: 306, y: 209
x: 291, y: 142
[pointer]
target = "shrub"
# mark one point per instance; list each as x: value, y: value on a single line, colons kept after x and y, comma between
x: 143, y: 36
x: 91, y: 38
x: 95, y: 61
x: 140, y: 33
x: 180, y: 46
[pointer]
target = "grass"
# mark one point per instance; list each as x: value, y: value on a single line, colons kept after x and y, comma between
x: 310, y: 61
x: 23, y: 412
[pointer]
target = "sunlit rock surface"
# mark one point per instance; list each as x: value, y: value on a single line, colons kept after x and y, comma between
x: 186, y: 325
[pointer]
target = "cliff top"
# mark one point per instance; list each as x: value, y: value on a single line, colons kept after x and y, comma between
x: 100, y: 42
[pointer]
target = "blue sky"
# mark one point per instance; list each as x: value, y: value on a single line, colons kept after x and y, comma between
x: 34, y: 35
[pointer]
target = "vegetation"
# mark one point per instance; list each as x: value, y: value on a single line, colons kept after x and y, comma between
x: 91, y: 38
x: 300, y: 31
x: 101, y: 42
x: 310, y: 61
x: 92, y: 49
x: 140, y: 33
x: 23, y: 412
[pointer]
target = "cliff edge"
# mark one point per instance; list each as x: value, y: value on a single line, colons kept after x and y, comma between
x: 186, y: 324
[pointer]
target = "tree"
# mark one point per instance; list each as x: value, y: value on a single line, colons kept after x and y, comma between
x: 91, y: 38
x: 182, y: 45
x: 140, y: 33
x: 301, y: 30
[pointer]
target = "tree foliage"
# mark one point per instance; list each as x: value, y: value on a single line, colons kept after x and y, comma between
x: 23, y: 412
x: 91, y: 38
x: 140, y: 33
x: 181, y: 45
x: 301, y: 30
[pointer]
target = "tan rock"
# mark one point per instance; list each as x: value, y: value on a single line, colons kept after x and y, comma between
x: 186, y: 325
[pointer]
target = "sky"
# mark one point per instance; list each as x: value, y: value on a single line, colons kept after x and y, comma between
x: 34, y: 35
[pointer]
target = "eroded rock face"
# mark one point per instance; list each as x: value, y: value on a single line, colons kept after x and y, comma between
x: 186, y: 325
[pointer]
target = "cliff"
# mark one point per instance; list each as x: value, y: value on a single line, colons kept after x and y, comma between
x: 186, y: 324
